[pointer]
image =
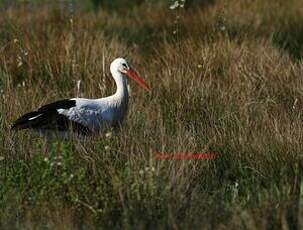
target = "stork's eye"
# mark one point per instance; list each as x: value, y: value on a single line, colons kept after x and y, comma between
x: 124, y: 65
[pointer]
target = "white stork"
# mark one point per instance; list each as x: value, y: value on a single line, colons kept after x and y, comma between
x: 83, y: 116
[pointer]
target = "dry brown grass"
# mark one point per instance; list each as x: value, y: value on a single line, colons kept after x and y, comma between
x: 229, y: 81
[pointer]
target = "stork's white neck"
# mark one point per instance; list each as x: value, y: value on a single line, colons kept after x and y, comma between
x: 121, y: 83
x: 120, y: 98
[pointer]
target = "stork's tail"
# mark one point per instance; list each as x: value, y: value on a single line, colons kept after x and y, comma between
x: 29, y: 120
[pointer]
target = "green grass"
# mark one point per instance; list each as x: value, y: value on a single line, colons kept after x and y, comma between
x: 226, y: 77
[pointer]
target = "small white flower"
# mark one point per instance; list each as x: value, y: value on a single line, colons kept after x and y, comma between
x: 107, y: 147
x: 153, y: 169
x: 1, y: 158
x: 108, y: 134
x: 19, y: 61
x: 141, y: 172
x: 175, y: 5
x: 146, y: 168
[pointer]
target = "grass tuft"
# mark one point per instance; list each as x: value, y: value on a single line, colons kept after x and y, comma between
x: 226, y: 78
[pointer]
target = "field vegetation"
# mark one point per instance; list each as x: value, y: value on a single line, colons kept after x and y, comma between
x: 226, y: 78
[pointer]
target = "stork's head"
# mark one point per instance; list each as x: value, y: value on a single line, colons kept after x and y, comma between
x: 121, y: 65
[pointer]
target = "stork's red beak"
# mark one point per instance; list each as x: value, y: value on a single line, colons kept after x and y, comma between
x: 132, y: 74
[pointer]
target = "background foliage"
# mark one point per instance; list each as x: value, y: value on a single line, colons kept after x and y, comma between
x: 226, y: 77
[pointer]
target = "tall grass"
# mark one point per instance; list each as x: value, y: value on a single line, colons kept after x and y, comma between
x: 228, y: 82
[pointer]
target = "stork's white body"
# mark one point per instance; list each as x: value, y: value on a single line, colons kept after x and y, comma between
x: 98, y: 113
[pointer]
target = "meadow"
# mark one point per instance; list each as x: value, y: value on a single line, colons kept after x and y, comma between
x: 226, y: 78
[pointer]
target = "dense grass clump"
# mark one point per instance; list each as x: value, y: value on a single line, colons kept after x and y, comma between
x: 226, y: 78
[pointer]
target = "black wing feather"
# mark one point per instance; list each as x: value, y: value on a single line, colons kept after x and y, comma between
x: 62, y: 104
x: 48, y: 118
x: 24, y: 121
